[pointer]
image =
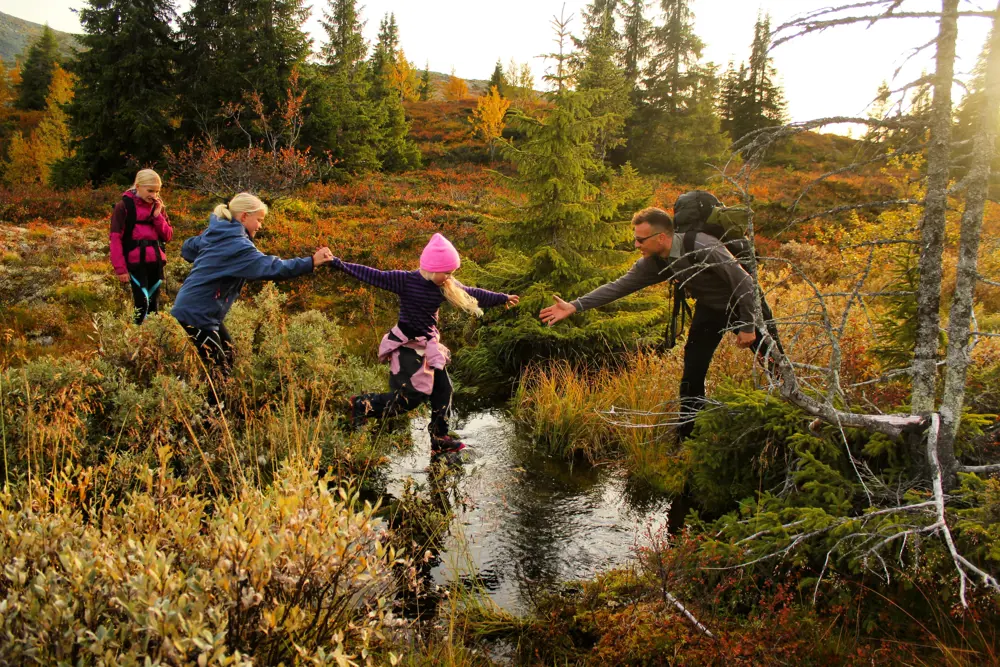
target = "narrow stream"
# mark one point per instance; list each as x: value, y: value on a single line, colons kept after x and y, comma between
x: 523, y: 521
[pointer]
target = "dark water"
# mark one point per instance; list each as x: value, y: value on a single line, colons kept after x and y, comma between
x: 524, y: 522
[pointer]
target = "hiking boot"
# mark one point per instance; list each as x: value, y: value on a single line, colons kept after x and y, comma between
x: 356, y: 413
x: 446, y: 445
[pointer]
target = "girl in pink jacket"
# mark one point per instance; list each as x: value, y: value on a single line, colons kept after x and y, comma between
x: 139, y: 230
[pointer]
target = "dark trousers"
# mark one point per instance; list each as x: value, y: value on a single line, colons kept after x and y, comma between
x: 708, y: 326
x: 214, y: 347
x: 145, y: 279
x: 402, y: 397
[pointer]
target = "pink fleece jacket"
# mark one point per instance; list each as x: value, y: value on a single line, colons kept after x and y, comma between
x: 160, y: 230
x: 435, y: 355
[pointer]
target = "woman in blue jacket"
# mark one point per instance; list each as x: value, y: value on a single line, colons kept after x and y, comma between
x: 225, y: 258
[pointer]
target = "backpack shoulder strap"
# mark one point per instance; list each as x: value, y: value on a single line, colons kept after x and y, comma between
x: 129, y: 208
x: 130, y: 218
x: 690, y: 236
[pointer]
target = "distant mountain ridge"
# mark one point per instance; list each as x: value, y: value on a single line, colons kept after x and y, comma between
x: 17, y: 34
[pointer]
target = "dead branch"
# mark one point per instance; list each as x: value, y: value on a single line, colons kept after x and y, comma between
x: 981, y: 470
x: 962, y: 565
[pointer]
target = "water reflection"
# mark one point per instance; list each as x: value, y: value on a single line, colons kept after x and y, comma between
x: 524, y: 521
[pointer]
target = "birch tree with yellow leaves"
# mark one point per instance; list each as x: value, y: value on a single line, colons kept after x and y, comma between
x: 488, y: 118
x: 455, y: 89
x: 29, y: 160
x: 403, y: 78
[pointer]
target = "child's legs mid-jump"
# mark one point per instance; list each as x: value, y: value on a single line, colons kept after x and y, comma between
x: 440, y: 404
x: 403, y: 397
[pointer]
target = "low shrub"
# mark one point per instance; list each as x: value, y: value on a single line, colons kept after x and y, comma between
x: 294, y: 573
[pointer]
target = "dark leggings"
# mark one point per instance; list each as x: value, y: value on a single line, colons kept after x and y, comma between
x: 708, y: 326
x: 145, y: 280
x: 215, y: 347
x: 402, y: 397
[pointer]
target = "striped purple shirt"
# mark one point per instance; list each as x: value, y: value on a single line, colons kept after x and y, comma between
x: 419, y: 298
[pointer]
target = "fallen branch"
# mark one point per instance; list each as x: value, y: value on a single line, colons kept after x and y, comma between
x: 961, y: 563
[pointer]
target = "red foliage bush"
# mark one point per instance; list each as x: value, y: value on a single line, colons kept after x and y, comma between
x: 21, y: 204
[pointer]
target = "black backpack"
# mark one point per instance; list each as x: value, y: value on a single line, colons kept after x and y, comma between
x: 699, y: 211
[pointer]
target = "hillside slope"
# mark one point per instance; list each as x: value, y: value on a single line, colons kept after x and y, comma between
x: 16, y: 34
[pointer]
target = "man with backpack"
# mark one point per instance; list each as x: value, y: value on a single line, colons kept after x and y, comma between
x: 697, y: 258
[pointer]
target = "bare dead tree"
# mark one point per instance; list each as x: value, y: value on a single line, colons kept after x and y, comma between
x: 816, y: 386
x: 961, y: 315
x: 933, y: 223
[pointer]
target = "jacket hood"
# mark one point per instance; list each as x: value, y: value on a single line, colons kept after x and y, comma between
x: 220, y: 228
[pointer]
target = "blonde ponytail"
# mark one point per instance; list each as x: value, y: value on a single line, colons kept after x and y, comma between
x: 146, y: 177
x: 222, y: 212
x: 244, y: 202
x: 456, y: 296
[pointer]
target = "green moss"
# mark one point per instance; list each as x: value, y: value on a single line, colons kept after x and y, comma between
x: 81, y: 296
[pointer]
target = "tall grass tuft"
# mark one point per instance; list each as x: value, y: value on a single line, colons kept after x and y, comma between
x: 622, y: 412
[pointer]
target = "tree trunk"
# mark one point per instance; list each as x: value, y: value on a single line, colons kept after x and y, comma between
x: 960, y: 317
x: 932, y: 224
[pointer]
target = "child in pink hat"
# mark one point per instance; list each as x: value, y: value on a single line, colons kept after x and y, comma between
x: 412, y: 348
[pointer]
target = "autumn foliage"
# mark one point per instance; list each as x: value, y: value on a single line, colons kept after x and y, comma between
x: 455, y: 89
x: 488, y: 119
x: 272, y: 164
x: 30, y: 156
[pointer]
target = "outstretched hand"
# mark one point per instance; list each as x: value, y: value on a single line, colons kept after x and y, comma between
x: 322, y: 256
x: 745, y: 339
x: 560, y: 310
x: 512, y: 300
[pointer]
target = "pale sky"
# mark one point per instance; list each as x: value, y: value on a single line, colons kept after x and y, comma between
x: 828, y: 74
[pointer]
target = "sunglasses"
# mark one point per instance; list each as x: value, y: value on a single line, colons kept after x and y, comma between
x: 643, y: 239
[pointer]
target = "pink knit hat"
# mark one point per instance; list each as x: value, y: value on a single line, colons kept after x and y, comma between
x: 439, y: 256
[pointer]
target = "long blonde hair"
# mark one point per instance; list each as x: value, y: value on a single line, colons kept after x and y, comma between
x: 455, y: 295
x: 146, y: 177
x: 244, y: 202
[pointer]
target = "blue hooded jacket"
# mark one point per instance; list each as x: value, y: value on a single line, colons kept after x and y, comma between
x: 224, y: 260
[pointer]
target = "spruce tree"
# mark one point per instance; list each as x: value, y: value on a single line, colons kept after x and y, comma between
x: 765, y: 96
x: 36, y: 73
x: 601, y: 73
x: 343, y: 119
x: 424, y: 90
x: 208, y: 75
x: 125, y: 99
x: 730, y: 92
x: 497, y: 80
x: 271, y: 43
x: 383, y: 55
x: 880, y: 110
x: 760, y: 102
x: 635, y: 36
x: 395, y: 151
x: 233, y: 48
x: 566, y: 237
x: 676, y: 127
